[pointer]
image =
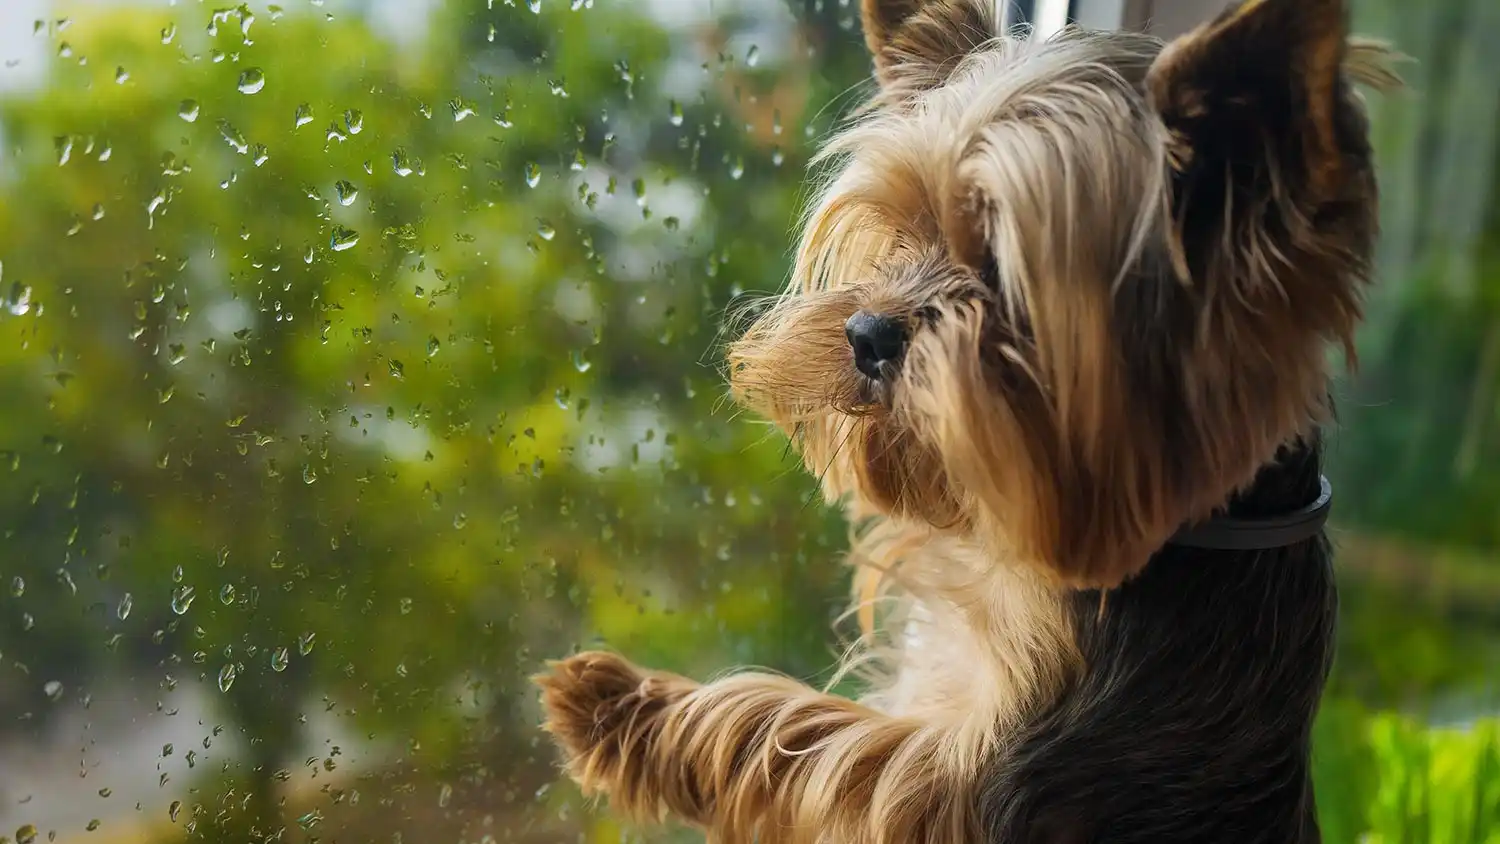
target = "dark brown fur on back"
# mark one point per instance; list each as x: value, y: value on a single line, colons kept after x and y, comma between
x: 1053, y: 301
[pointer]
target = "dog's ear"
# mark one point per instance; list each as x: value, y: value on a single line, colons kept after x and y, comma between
x: 917, y: 42
x: 1251, y: 102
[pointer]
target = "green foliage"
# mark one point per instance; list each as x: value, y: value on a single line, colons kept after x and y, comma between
x: 1383, y: 778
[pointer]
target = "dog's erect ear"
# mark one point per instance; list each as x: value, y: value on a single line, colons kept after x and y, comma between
x: 1258, y: 87
x: 917, y: 42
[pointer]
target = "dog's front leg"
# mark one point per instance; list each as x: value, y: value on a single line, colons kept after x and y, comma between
x: 756, y: 757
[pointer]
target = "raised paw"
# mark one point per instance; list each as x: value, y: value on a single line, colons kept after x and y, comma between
x: 601, y: 709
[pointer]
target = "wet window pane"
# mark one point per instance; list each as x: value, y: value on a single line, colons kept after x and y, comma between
x: 358, y: 356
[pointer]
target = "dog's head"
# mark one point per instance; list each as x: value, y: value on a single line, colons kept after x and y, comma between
x: 1061, y: 297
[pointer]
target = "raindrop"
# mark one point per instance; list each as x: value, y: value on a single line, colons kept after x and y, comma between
x: 433, y: 346
x: 346, y: 191
x: 26, y: 834
x: 121, y: 76
x: 674, y: 113
x: 305, y: 643
x: 182, y: 599
x: 400, y: 162
x: 309, y: 475
x: 18, y: 302
x: 460, y: 109
x: 17, y: 586
x: 343, y: 239
x: 122, y: 611
x: 354, y: 121
x: 581, y: 360
x: 310, y: 820
x: 544, y: 230
x: 445, y: 794
x: 279, y: 660
x: 752, y: 57
x: 252, y: 79
x: 53, y: 690
x: 226, y: 594
x: 188, y: 110
x: 226, y: 677
x: 535, y: 6
x: 233, y: 137
x: 533, y: 174
x: 303, y: 116
x: 64, y: 146
x: 174, y: 810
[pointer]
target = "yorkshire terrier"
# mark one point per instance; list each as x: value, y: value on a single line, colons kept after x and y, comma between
x: 1057, y: 337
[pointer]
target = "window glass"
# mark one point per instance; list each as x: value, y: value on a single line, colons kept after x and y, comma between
x: 359, y: 355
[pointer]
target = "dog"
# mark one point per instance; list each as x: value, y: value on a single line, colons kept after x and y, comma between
x: 1057, y: 338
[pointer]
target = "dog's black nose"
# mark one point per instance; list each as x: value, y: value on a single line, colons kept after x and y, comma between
x: 876, y: 339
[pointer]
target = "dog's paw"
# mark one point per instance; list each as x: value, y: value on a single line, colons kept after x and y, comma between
x: 584, y: 695
x: 601, y: 707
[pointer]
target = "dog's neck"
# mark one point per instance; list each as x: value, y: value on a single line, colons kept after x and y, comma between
x: 1287, y: 503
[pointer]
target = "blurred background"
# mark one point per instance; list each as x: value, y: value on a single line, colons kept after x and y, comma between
x: 355, y: 357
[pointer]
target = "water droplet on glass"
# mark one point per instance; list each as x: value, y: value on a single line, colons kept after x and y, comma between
x: 26, y: 834
x: 674, y: 112
x: 544, y: 230
x: 178, y: 574
x: 174, y: 810
x: 279, y: 659
x: 305, y: 643
x: 343, y: 239
x: 18, y: 301
x: 168, y: 32
x: 354, y: 121
x: 401, y: 163
x: 309, y: 475
x: 121, y: 76
x: 188, y: 110
x: 182, y: 599
x: 252, y: 79
x: 53, y: 690
x: 17, y: 586
x: 752, y: 56
x: 63, y: 144
x: 303, y: 116
x: 233, y: 137
x: 122, y: 611
x: 433, y: 346
x: 346, y: 192
x: 737, y: 168
x: 445, y: 794
x: 533, y: 174
x: 226, y: 677
x: 226, y: 594
x: 310, y: 820
x: 460, y: 109
x: 581, y: 360
x: 534, y: 6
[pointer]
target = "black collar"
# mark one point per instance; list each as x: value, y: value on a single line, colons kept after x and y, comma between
x: 1227, y: 533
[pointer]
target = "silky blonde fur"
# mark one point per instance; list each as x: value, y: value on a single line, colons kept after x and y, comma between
x: 1001, y: 194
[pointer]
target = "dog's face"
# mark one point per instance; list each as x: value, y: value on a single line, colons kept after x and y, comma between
x: 1060, y: 298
